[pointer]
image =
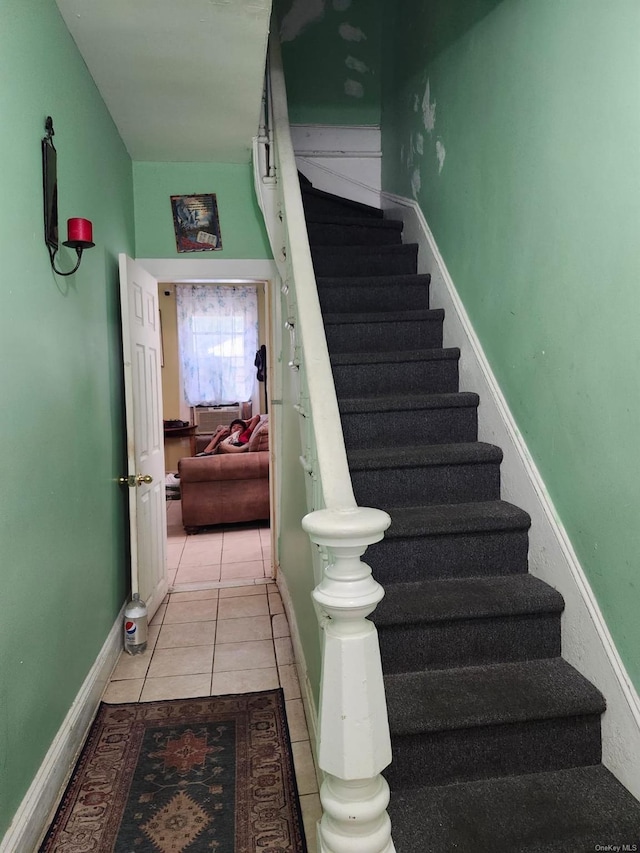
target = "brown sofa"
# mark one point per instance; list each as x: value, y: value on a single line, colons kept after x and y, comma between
x: 228, y: 487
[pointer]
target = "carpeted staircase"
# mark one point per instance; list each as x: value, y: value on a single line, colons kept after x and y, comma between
x: 496, y: 739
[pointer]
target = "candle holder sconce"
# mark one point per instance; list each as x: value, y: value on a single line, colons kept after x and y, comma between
x: 79, y: 231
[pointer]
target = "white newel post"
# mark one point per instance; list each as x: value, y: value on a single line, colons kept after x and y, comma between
x: 354, y: 743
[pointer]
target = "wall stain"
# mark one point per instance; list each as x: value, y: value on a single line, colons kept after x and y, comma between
x: 353, y: 88
x: 440, y: 154
x: 416, y: 183
x: 349, y: 33
x: 301, y: 14
x: 356, y: 65
x: 428, y: 110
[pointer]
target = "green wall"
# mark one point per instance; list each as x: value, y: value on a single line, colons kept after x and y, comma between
x: 241, y: 224
x: 62, y: 515
x: 524, y: 158
x: 331, y: 60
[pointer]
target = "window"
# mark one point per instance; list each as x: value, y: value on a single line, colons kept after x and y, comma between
x: 217, y: 340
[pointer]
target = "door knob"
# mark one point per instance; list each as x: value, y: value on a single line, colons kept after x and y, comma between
x: 135, y: 480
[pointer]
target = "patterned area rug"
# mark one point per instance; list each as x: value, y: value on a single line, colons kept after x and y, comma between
x: 212, y: 774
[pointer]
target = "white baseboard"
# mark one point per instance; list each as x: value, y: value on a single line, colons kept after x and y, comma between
x: 342, y: 160
x: 586, y: 641
x: 36, y: 810
x: 301, y: 666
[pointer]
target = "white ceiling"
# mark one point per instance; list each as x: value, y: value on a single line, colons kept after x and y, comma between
x: 182, y: 79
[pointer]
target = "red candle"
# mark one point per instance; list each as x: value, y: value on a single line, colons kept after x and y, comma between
x: 79, y: 230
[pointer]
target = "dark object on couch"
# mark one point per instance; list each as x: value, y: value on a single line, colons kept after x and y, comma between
x: 226, y: 487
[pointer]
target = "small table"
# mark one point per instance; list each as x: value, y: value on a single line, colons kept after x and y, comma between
x: 182, y: 432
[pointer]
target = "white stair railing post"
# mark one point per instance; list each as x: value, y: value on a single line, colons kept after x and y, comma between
x: 354, y: 742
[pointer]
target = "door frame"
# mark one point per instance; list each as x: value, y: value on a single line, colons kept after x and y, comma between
x: 252, y: 271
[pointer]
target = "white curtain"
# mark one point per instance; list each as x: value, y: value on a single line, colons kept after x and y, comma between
x: 218, y: 340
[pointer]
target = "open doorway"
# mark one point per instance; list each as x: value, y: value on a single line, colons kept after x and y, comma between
x: 226, y: 553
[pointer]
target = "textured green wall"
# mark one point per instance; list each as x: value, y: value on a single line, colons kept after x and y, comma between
x: 516, y: 125
x: 62, y: 516
x: 331, y: 57
x: 241, y: 224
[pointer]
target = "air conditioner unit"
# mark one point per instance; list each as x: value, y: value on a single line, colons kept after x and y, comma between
x: 207, y: 418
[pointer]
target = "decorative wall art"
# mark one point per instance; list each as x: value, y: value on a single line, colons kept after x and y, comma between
x: 196, y: 223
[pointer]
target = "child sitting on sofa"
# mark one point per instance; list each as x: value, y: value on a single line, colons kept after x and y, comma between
x: 235, y: 439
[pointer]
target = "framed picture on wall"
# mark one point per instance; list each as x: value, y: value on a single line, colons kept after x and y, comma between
x: 196, y: 222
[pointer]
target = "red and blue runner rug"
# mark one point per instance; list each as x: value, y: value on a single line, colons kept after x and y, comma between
x: 213, y: 774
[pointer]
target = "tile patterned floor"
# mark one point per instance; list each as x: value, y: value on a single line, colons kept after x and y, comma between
x: 231, y: 636
x: 232, y: 554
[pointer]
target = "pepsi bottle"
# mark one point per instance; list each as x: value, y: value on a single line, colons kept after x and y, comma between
x: 135, y: 626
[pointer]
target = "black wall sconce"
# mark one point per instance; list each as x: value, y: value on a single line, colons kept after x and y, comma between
x: 79, y: 231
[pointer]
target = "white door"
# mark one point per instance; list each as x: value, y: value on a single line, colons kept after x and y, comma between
x: 145, y: 437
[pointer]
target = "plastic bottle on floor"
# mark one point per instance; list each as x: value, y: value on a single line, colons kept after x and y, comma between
x: 135, y: 626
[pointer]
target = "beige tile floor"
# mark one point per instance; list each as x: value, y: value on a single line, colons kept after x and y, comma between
x: 232, y: 554
x: 232, y: 637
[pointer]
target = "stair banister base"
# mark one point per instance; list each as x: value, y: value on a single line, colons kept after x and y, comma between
x: 349, y: 525
x: 355, y: 818
x: 354, y: 743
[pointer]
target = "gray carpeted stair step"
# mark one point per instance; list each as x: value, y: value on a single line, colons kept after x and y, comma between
x: 478, y: 539
x: 385, y: 332
x: 352, y: 231
x: 332, y: 261
x: 577, y: 810
x: 435, y: 624
x: 493, y: 720
x: 430, y: 371
x: 422, y: 418
x: 373, y: 293
x: 317, y: 201
x: 423, y: 475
